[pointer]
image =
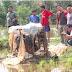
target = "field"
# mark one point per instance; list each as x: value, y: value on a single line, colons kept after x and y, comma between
x: 40, y: 64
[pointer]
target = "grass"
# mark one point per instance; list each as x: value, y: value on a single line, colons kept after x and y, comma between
x: 64, y: 60
x: 54, y: 41
x: 4, y: 42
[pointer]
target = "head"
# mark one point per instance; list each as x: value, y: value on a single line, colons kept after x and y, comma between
x: 69, y: 27
x: 34, y: 12
x: 59, y: 7
x: 69, y: 8
x: 42, y: 7
x: 10, y: 8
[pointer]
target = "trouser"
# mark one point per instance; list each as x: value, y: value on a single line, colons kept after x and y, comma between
x: 63, y: 39
x: 69, y: 42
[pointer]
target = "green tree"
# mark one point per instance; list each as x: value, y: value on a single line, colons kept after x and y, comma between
x: 2, y: 19
x: 23, y: 13
x: 6, y: 4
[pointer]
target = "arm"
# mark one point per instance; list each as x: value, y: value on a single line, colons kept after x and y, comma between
x: 66, y: 35
x: 38, y: 19
x: 6, y: 24
x: 66, y: 13
x: 50, y: 14
x: 57, y: 21
x: 6, y: 21
x: 30, y: 19
x: 15, y: 18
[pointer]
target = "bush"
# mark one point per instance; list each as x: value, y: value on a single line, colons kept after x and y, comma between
x: 2, y: 19
x: 4, y: 43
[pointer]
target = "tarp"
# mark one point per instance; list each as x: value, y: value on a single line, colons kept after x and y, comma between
x: 21, y: 54
x: 31, y: 28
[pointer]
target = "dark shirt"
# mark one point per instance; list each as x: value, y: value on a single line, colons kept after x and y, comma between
x: 61, y: 17
x: 10, y: 16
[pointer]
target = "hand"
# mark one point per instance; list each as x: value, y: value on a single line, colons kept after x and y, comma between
x: 13, y: 20
x: 6, y: 25
x: 63, y: 33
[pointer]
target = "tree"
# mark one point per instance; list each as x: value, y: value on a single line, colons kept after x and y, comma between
x: 23, y: 13
x: 2, y: 19
x: 6, y: 4
x: 24, y: 10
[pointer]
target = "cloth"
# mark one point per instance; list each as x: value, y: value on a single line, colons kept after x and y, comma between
x: 31, y: 28
x: 69, y: 18
x: 57, y: 49
x: 61, y: 17
x: 34, y: 19
x: 12, y: 41
x: 45, y: 17
x: 69, y: 42
x: 71, y: 33
x: 47, y: 28
x: 10, y: 16
x: 22, y: 50
x: 63, y: 39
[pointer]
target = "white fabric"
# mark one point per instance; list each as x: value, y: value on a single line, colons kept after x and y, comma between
x: 69, y: 18
x: 31, y: 28
x: 71, y: 33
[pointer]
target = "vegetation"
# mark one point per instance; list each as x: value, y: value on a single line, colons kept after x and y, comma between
x: 24, y: 9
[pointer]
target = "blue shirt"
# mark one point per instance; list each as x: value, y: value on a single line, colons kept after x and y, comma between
x: 34, y: 19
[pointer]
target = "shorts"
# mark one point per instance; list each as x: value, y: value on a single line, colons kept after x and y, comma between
x: 47, y: 28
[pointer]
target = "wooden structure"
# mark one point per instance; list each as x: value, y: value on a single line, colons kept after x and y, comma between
x: 37, y: 41
x: 40, y: 40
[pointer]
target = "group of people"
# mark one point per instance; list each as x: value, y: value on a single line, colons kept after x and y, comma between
x: 64, y: 19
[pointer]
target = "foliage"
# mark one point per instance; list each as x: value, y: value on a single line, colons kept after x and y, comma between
x: 24, y: 8
x: 6, y: 4
x: 23, y: 13
x: 2, y: 19
x: 4, y: 43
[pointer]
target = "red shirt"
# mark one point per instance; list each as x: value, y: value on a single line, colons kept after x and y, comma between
x: 45, y: 18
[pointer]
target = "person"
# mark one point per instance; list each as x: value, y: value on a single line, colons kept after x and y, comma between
x: 46, y: 15
x: 12, y: 17
x: 34, y: 18
x: 62, y: 20
x: 69, y: 15
x: 67, y: 36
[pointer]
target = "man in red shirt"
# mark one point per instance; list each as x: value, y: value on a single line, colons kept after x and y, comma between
x: 45, y: 20
x: 62, y: 20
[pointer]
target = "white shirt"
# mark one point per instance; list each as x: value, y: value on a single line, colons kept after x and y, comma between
x: 71, y: 33
x: 69, y: 18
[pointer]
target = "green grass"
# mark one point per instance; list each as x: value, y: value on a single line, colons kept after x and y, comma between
x: 4, y: 42
x: 54, y: 41
x: 64, y: 60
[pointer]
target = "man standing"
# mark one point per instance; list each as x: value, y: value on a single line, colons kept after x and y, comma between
x: 62, y: 20
x: 69, y: 15
x: 34, y: 18
x: 67, y: 36
x: 11, y: 17
x: 45, y: 20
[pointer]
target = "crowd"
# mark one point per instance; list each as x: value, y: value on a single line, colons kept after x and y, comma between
x: 64, y: 19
